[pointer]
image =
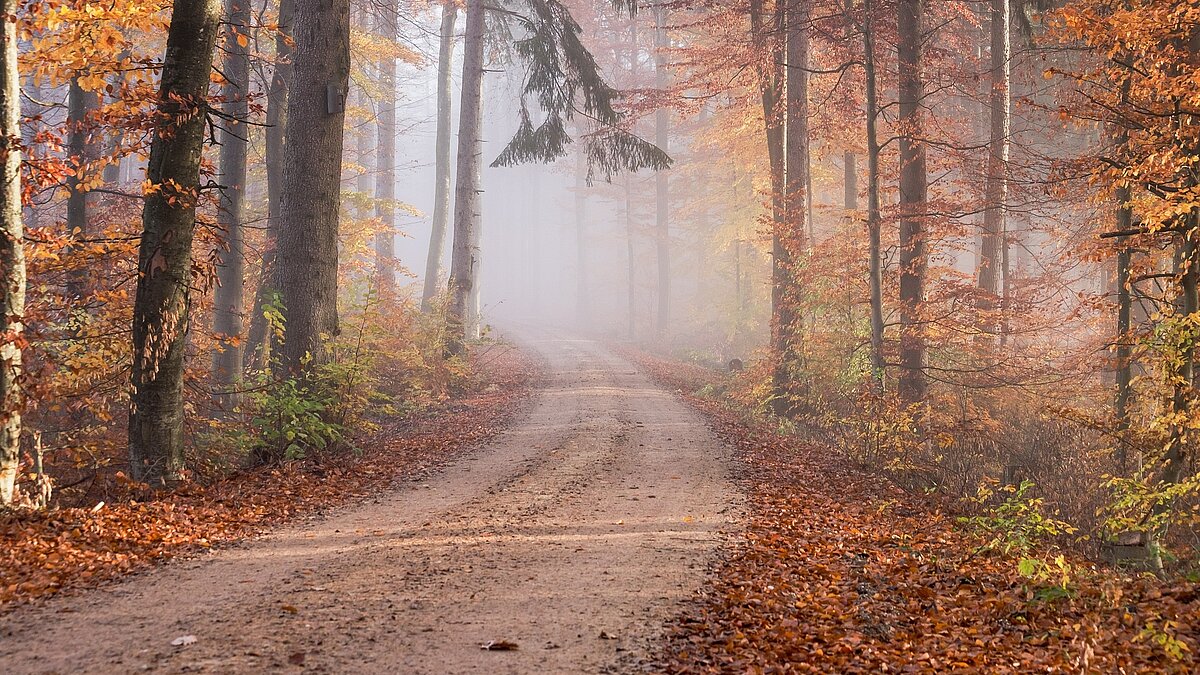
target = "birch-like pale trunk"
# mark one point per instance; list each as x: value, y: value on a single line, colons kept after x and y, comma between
x: 466, y: 197
x: 442, y: 177
x: 12, y: 260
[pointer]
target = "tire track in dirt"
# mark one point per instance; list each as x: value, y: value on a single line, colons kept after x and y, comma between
x: 573, y: 534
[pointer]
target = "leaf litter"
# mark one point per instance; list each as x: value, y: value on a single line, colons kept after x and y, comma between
x: 827, y: 580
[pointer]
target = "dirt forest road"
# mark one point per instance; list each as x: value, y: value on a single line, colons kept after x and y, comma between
x: 573, y: 535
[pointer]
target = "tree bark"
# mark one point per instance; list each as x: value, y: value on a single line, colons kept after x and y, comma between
x: 913, y: 197
x: 229, y: 297
x: 257, y: 340
x: 83, y: 152
x: 874, y: 216
x: 162, y: 301
x: 441, y: 190
x: 790, y: 231
x: 630, y: 226
x: 385, y: 176
x: 307, y: 259
x: 466, y: 199
x: 770, y: 86
x: 662, y: 195
x: 996, y: 190
x: 12, y: 260
x: 582, y: 308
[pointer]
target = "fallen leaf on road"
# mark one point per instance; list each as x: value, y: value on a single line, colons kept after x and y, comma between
x: 289, y: 609
x: 499, y: 646
x: 605, y: 635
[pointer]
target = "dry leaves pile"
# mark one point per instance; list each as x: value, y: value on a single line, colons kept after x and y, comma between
x: 47, y: 552
x: 839, y: 571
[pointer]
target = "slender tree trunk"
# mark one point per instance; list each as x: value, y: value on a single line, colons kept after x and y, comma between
x: 385, y: 185
x: 874, y: 216
x: 466, y: 198
x: 112, y: 170
x: 631, y: 258
x: 996, y: 190
x: 162, y: 301
x: 365, y: 138
x: 12, y: 260
x: 582, y: 309
x: 913, y: 197
x: 662, y: 195
x: 770, y: 85
x: 83, y: 153
x: 630, y: 227
x: 307, y: 259
x: 441, y: 193
x: 1124, y: 349
x: 789, y: 235
x: 228, y: 304
x: 257, y: 340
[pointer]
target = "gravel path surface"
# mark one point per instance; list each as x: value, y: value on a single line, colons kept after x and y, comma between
x: 572, y: 535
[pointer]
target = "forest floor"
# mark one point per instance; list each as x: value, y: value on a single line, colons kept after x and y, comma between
x: 840, y: 571
x: 561, y: 545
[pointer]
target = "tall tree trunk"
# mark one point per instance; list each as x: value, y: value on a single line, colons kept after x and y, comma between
x: 630, y: 226
x: 770, y: 87
x: 631, y: 259
x: 112, y: 170
x: 257, y: 340
x: 162, y: 301
x: 467, y: 186
x: 83, y: 153
x: 1124, y: 348
x: 441, y: 189
x: 874, y: 216
x: 366, y: 141
x: 229, y: 297
x: 789, y: 232
x: 996, y: 190
x: 385, y: 176
x: 12, y: 260
x: 913, y: 197
x: 662, y: 195
x: 582, y: 310
x: 307, y: 260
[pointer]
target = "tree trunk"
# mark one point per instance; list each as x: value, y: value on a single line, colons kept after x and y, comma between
x: 112, y: 170
x: 83, y: 153
x: 631, y: 259
x: 385, y: 177
x: 996, y: 190
x: 582, y: 309
x: 466, y: 197
x: 162, y: 301
x: 229, y: 297
x: 913, y: 197
x: 441, y: 190
x: 662, y: 222
x: 770, y: 85
x: 366, y: 141
x: 789, y: 232
x: 630, y: 227
x: 874, y: 216
x: 257, y: 340
x: 12, y: 261
x: 307, y: 259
